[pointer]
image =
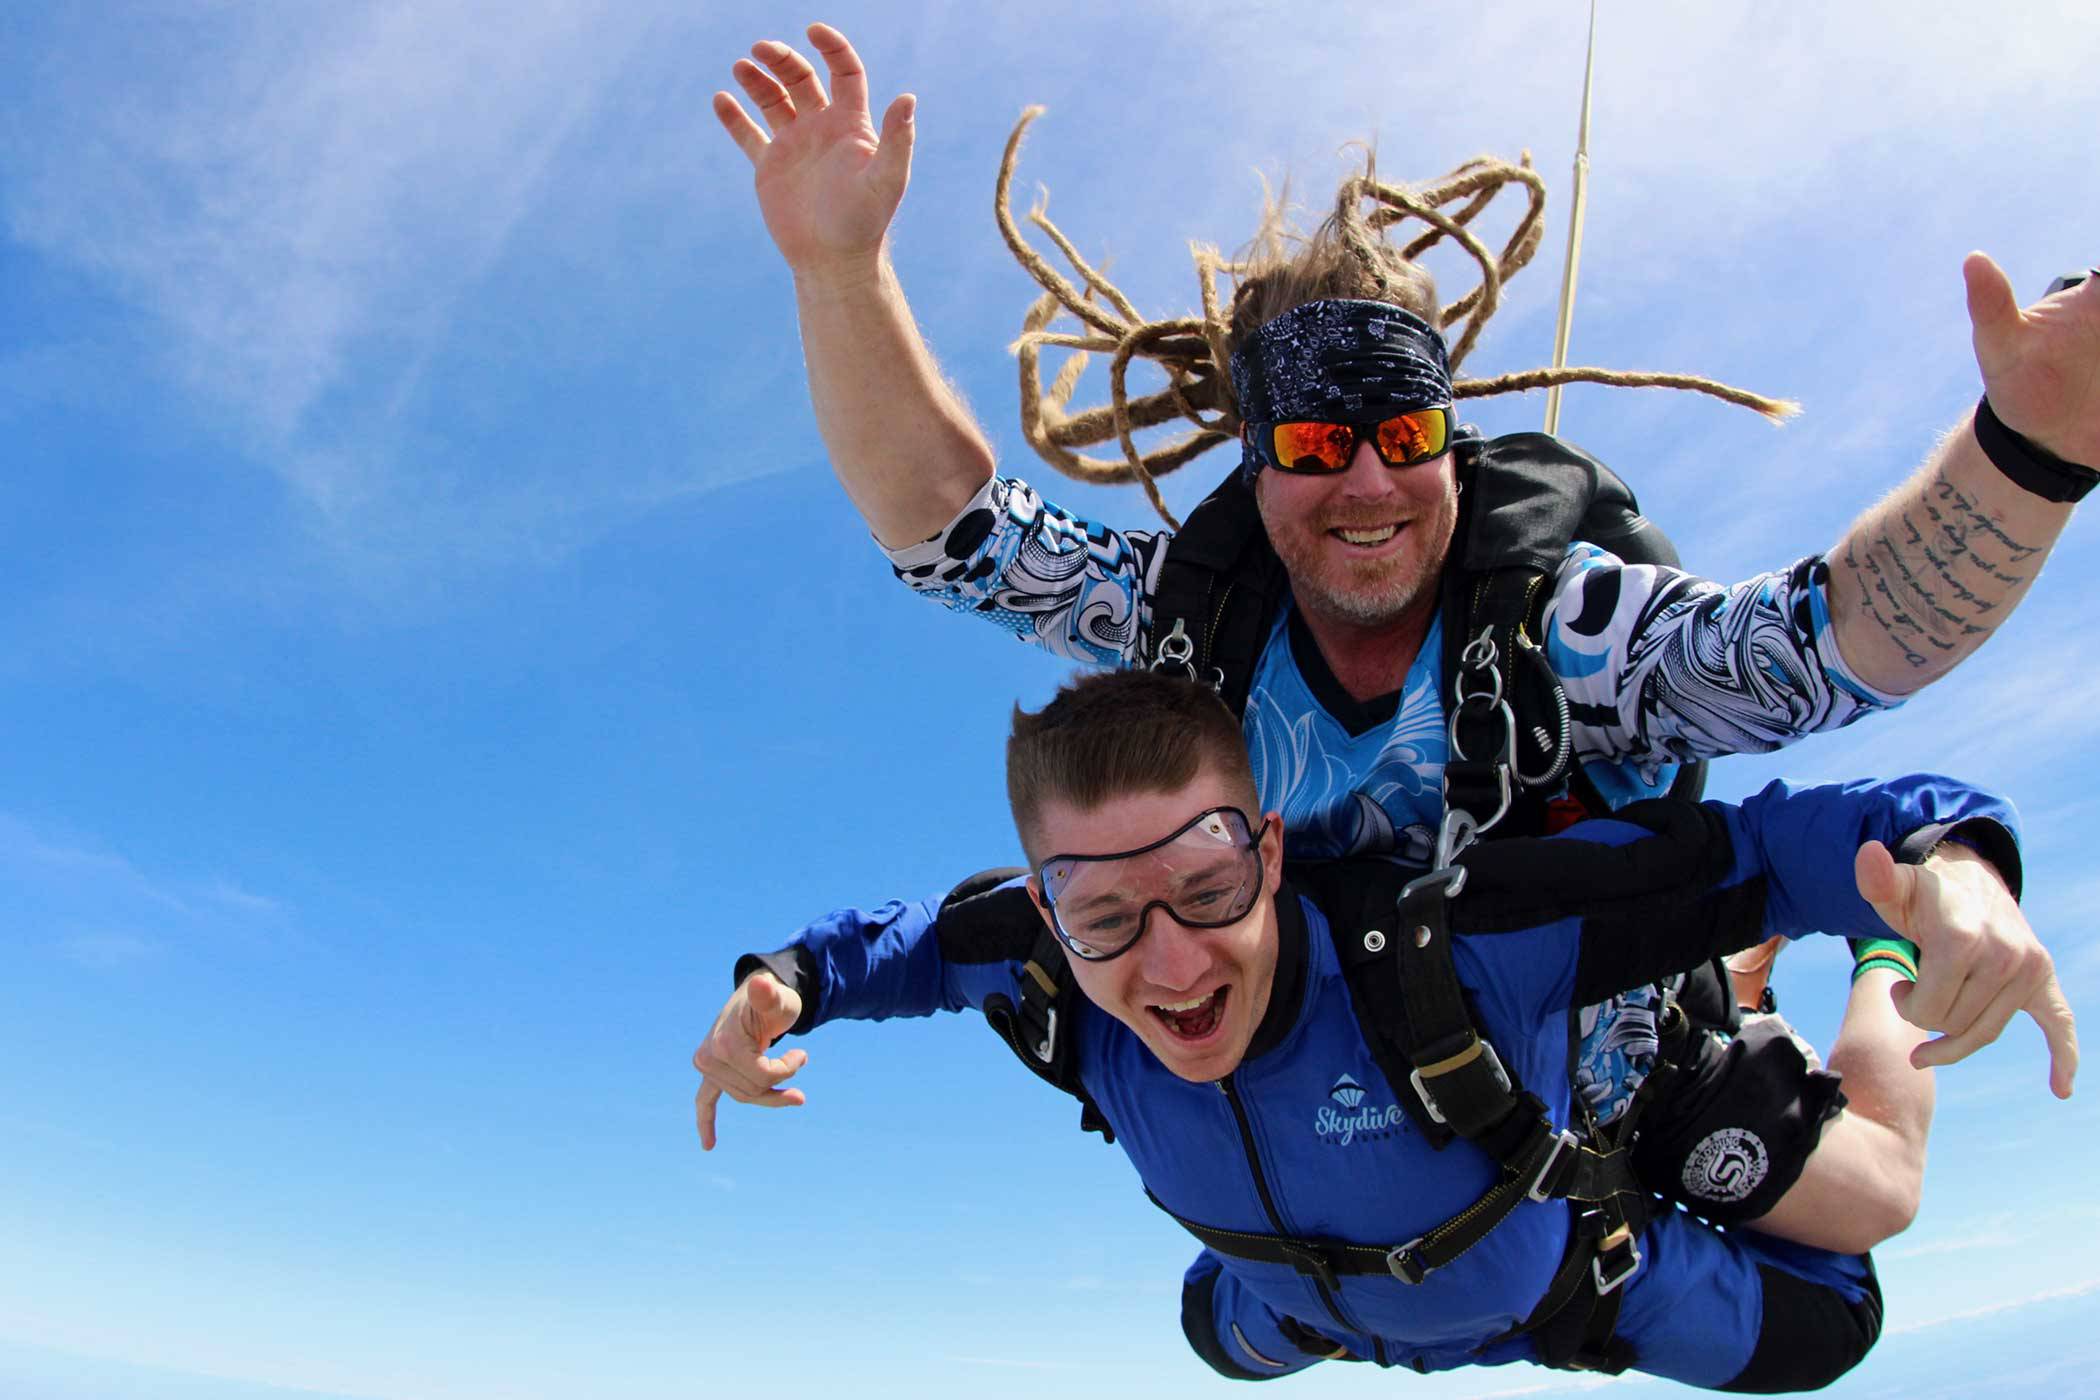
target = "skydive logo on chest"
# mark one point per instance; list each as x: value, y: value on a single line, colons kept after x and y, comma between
x: 1349, y: 1118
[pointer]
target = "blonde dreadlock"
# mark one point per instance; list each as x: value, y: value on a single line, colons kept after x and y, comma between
x: 1348, y: 256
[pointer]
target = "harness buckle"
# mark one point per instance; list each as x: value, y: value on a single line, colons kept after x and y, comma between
x: 1046, y: 1049
x: 1401, y: 1260
x: 1469, y: 826
x: 1479, y: 1049
x: 1565, y: 1141
x: 1447, y: 874
x: 1627, y: 1261
x: 1457, y: 830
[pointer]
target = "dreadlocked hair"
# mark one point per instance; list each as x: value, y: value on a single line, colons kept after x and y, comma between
x: 1350, y: 255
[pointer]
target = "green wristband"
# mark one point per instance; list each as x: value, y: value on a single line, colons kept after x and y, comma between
x: 1898, y: 955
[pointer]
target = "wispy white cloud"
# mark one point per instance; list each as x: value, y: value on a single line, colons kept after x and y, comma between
x: 98, y: 908
x: 107, y: 950
x: 1994, y: 1233
x: 293, y: 186
x: 2054, y: 1295
x: 300, y: 208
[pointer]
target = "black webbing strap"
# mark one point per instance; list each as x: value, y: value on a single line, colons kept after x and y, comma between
x: 1039, y: 1025
x: 1415, y: 1259
x: 1458, y: 1075
x: 1576, y: 1316
x: 1324, y: 1260
x: 1217, y: 593
x: 1392, y: 937
x: 1328, y: 1260
x: 1421, y: 1032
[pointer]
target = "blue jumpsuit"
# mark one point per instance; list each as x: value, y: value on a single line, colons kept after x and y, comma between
x: 1306, y: 1137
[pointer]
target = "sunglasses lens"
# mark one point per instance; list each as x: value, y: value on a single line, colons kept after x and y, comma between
x: 1312, y: 447
x: 1414, y: 437
x: 1402, y: 440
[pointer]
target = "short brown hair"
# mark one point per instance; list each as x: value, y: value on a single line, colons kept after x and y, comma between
x: 1109, y: 733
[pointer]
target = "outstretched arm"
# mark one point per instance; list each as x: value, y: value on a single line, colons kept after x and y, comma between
x: 733, y: 1059
x: 1662, y: 886
x: 904, y: 445
x: 1924, y: 576
x: 853, y: 964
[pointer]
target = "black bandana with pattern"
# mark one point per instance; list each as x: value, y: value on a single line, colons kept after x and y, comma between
x: 1339, y: 362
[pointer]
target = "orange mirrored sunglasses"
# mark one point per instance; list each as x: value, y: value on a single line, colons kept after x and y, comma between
x: 1308, y: 448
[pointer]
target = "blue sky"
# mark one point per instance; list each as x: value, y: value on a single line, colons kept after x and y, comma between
x: 435, y: 646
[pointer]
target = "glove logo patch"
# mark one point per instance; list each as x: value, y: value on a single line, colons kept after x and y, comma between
x: 1726, y: 1166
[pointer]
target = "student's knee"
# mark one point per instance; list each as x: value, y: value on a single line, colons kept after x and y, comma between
x: 1732, y: 1132
x: 1810, y: 1335
x: 1245, y: 1348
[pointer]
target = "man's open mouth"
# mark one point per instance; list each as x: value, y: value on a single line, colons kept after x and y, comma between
x: 1193, y: 1020
x: 1365, y: 536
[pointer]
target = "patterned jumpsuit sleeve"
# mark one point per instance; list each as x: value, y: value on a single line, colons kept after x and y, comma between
x: 1660, y: 665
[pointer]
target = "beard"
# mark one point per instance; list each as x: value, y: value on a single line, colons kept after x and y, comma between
x: 1365, y: 592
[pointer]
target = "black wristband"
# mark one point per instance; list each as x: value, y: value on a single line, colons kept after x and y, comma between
x: 2027, y: 465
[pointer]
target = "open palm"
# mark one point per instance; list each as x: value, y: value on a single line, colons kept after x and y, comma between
x: 828, y: 182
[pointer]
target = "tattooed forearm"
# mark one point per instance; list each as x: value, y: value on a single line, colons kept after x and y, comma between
x: 1925, y: 585
x: 1878, y: 603
x: 1964, y: 515
x: 1937, y: 575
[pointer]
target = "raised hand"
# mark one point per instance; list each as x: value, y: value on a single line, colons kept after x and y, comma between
x: 828, y: 184
x: 2041, y: 365
x: 733, y: 1059
x: 1978, y: 961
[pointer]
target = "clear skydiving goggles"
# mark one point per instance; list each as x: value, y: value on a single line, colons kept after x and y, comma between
x: 1317, y: 448
x: 1205, y: 875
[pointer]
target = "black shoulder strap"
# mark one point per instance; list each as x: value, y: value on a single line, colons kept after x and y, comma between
x: 1390, y: 934
x: 1523, y: 499
x: 1219, y: 588
x: 1360, y: 898
x: 1395, y: 947
x: 981, y: 922
x: 1525, y: 496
